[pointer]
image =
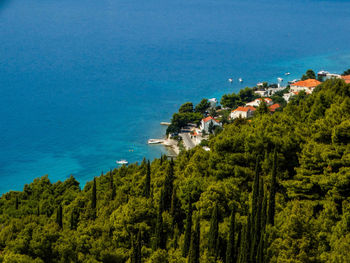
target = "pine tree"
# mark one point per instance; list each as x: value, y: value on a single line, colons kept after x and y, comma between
x: 230, y: 251
x: 194, y: 253
x: 111, y: 185
x: 148, y: 180
x: 59, y: 216
x: 214, y: 232
x: 188, y: 229
x: 272, y: 204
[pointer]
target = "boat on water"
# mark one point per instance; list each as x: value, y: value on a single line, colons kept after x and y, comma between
x: 122, y: 162
x: 280, y: 79
x: 154, y: 141
x: 287, y: 73
x: 240, y: 80
x: 230, y: 80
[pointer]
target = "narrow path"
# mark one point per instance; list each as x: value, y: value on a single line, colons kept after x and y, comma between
x: 188, y: 143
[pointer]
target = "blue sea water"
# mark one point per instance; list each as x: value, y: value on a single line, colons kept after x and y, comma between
x: 82, y: 83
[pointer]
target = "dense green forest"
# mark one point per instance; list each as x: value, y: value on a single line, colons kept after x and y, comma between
x: 273, y: 189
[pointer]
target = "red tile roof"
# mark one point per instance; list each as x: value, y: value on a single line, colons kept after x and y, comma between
x: 346, y: 78
x: 245, y: 109
x: 309, y: 83
x: 274, y: 107
x: 209, y: 118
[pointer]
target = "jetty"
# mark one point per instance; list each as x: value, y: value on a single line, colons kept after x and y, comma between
x: 165, y: 123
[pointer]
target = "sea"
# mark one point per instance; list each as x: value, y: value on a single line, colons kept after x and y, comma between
x: 84, y: 83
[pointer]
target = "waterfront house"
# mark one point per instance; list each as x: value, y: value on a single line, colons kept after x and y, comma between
x: 346, y: 79
x: 206, y: 122
x: 325, y: 75
x: 256, y: 102
x: 307, y: 85
x: 242, y: 112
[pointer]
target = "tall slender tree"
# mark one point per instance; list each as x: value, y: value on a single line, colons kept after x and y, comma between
x: 194, y: 252
x: 93, y: 195
x: 168, y: 186
x: 59, y: 216
x: 148, y: 180
x: 257, y: 222
x: 160, y: 238
x: 136, y: 249
x: 112, y: 185
x: 188, y: 229
x: 16, y: 205
x: 273, y: 188
x: 230, y: 251
x: 214, y: 232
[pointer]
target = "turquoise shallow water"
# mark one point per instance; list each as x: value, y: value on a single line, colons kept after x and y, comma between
x: 83, y: 82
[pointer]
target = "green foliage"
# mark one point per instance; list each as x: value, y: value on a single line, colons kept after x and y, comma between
x: 203, y: 106
x: 346, y: 72
x: 186, y: 107
x: 310, y: 74
x: 292, y: 205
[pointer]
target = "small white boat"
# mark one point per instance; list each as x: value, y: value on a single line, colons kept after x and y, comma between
x: 230, y: 80
x: 240, y: 80
x: 280, y: 79
x: 287, y: 73
x: 154, y: 141
x: 121, y: 162
x: 165, y: 123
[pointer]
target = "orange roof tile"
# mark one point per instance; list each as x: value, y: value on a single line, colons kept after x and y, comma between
x: 245, y: 109
x: 274, y: 107
x: 209, y: 118
x: 346, y: 78
x: 309, y: 83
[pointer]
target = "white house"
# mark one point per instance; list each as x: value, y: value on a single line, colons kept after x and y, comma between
x: 256, y: 102
x: 243, y: 112
x: 261, y: 93
x: 307, y: 85
x: 213, y: 102
x: 205, y: 123
x: 325, y: 75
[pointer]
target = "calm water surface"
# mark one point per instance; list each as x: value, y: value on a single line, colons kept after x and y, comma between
x: 84, y: 82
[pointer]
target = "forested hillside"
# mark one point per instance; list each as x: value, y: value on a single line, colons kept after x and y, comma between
x: 272, y: 189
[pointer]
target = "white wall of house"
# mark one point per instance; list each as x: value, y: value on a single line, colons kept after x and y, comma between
x: 242, y: 114
x: 205, y: 125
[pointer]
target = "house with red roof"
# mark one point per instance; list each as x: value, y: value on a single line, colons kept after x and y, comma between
x: 243, y: 112
x: 274, y: 107
x: 256, y: 102
x: 346, y: 79
x: 307, y: 85
x: 206, y: 122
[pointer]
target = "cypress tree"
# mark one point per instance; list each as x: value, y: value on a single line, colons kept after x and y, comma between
x: 260, y: 252
x: 194, y: 253
x: 214, y: 232
x: 16, y: 205
x: 257, y: 222
x: 263, y: 213
x: 168, y: 186
x: 246, y: 242
x: 174, y: 210
x: 111, y: 185
x: 255, y: 188
x: 38, y: 210
x: 59, y: 216
x: 230, y: 251
x: 187, y: 240
x: 272, y: 202
x: 74, y: 219
x: 238, y: 242
x: 160, y: 240
x: 148, y: 180
x: 138, y: 247
x: 93, y: 195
